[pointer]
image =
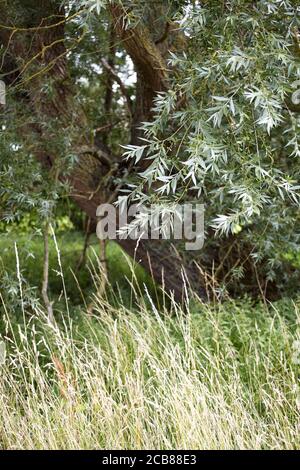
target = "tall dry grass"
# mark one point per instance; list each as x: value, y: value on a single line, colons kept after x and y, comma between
x: 211, y: 378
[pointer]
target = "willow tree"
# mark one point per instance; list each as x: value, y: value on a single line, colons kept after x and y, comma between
x: 212, y: 97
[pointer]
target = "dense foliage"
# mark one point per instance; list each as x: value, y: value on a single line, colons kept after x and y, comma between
x: 227, y: 132
x: 160, y: 102
x: 224, y: 133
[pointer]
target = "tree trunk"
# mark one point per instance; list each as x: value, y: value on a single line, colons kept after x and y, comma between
x: 41, y: 52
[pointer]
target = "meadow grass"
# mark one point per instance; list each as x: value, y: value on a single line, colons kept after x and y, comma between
x: 148, y: 374
x: 211, y: 378
x: 30, y: 249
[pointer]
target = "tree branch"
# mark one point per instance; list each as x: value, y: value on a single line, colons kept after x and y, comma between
x: 121, y: 85
x: 141, y: 48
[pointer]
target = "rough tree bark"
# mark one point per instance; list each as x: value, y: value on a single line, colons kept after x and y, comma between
x: 38, y: 40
